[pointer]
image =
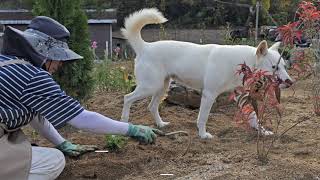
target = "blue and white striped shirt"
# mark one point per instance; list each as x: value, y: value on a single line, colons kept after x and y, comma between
x: 27, y: 91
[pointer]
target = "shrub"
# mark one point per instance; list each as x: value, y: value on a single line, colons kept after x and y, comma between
x: 306, y: 24
x: 259, y: 93
x: 109, y: 77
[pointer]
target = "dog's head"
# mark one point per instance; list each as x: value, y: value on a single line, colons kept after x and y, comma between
x: 269, y: 59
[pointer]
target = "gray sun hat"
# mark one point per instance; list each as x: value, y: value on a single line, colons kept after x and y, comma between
x: 44, y: 39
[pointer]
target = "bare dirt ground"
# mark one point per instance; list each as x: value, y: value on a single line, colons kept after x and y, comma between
x: 230, y: 155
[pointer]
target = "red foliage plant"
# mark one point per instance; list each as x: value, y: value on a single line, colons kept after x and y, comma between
x: 308, y: 12
x: 257, y: 93
x: 307, y: 25
x: 290, y: 33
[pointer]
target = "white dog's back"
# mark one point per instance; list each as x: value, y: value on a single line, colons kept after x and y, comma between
x: 183, y: 61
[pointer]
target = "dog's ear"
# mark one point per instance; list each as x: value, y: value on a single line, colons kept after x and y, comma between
x: 262, y: 49
x: 275, y: 46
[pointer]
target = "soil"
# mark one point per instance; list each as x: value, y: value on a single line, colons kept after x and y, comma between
x: 231, y: 154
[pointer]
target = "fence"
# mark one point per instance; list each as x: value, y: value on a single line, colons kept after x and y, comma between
x: 199, y: 36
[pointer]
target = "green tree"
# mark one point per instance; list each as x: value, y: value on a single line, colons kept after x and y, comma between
x: 75, y: 77
x: 283, y: 11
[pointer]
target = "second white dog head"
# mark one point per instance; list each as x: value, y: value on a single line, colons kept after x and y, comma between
x: 269, y: 59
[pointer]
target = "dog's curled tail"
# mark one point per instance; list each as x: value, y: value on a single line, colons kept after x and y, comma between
x: 136, y: 21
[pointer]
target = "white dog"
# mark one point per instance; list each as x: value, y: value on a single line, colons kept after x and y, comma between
x: 209, y: 68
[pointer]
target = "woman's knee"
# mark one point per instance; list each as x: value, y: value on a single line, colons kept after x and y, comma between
x: 61, y: 160
x: 47, y: 162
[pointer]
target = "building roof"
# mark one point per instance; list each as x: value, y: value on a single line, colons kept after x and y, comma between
x: 13, y: 10
x: 24, y: 16
x: 90, y: 21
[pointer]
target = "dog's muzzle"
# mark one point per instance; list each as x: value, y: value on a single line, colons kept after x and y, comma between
x: 288, y: 82
x: 285, y: 84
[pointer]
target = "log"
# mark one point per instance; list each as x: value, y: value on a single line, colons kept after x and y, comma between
x: 190, y: 98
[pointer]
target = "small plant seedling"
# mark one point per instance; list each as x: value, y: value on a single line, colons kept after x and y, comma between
x: 114, y: 142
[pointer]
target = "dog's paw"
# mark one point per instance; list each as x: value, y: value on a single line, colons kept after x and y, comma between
x: 266, y: 132
x: 262, y: 131
x: 205, y: 135
x: 162, y: 124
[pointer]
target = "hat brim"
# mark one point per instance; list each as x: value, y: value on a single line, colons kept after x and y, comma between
x: 47, y: 46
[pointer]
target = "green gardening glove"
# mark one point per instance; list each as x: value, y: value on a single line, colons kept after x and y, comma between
x: 144, y: 134
x: 74, y: 150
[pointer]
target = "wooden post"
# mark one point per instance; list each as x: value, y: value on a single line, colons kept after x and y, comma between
x: 257, y: 21
x: 110, y: 35
x: 106, y: 53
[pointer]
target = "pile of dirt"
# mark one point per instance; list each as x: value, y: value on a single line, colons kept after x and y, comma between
x: 231, y: 154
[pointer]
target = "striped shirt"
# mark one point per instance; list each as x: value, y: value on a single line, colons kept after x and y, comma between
x: 27, y: 91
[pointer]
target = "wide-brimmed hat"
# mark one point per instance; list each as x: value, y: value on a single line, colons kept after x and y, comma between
x: 44, y: 39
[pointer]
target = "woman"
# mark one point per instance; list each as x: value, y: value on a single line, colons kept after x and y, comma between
x: 28, y: 94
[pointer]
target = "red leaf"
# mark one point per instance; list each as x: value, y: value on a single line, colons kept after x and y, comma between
x: 296, y: 67
x: 247, y: 109
x: 290, y: 32
x: 308, y: 12
x: 232, y: 96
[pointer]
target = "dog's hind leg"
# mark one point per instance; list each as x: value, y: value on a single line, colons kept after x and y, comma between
x: 139, y: 93
x: 207, y: 100
x: 148, y: 84
x: 155, y: 102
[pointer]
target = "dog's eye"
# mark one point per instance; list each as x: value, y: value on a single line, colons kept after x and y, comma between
x: 275, y: 67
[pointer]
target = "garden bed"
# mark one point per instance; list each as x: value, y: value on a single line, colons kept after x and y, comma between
x: 230, y: 155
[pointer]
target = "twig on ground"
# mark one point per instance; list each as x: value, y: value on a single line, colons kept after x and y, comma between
x: 178, y: 132
x: 302, y: 119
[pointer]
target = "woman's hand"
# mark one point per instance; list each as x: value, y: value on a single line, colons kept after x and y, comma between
x: 74, y: 150
x: 144, y: 134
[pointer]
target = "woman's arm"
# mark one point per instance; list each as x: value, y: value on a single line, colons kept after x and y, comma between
x: 46, y: 130
x: 97, y: 123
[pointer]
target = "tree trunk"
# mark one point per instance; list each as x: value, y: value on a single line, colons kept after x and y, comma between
x: 316, y: 78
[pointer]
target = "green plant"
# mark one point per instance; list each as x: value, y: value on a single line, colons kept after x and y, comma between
x: 109, y: 77
x: 34, y: 135
x: 162, y: 33
x: 75, y: 77
x: 114, y: 142
x: 241, y: 41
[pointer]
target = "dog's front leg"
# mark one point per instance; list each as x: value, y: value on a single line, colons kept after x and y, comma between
x: 254, y: 123
x: 207, y: 100
x: 126, y: 109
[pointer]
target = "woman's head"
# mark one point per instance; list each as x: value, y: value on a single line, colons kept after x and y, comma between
x: 45, y: 39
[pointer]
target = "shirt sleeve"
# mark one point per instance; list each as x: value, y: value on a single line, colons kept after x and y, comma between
x: 43, y: 95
